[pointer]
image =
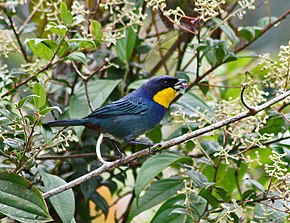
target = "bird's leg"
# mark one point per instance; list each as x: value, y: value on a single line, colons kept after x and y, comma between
x: 98, y: 150
x: 116, y: 147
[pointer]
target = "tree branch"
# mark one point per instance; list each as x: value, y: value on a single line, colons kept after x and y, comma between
x: 163, y: 145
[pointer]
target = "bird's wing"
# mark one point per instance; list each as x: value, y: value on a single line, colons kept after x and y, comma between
x: 120, y: 108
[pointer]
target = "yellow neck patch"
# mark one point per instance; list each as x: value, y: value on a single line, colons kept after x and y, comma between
x: 165, y: 97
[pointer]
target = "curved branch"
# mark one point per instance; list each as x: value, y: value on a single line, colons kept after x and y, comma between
x: 164, y: 145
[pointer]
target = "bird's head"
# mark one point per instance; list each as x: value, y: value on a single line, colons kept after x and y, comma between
x: 163, y: 89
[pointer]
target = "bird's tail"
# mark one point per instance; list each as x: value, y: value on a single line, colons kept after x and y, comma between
x: 71, y: 122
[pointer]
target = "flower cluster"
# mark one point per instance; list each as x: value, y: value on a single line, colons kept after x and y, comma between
x: 156, y: 4
x: 8, y: 43
x: 277, y: 73
x: 245, y: 4
x: 278, y: 169
x: 127, y: 15
x: 208, y: 9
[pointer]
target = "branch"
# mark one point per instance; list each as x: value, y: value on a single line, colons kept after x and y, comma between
x: 163, y: 145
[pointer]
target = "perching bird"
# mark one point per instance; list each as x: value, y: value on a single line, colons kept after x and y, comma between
x: 134, y: 114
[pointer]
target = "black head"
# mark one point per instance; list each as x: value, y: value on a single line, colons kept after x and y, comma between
x: 157, y: 84
x: 163, y: 89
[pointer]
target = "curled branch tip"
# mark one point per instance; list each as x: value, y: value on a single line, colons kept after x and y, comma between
x: 251, y: 109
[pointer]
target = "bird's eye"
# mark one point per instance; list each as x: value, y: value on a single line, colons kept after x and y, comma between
x: 165, y: 83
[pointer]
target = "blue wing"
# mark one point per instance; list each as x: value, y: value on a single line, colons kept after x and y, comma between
x: 120, y: 108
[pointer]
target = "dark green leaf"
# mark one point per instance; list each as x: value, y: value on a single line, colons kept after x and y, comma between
x: 212, y: 200
x: 20, y: 200
x: 155, y: 134
x: 275, y: 124
x: 153, y: 166
x: 77, y: 56
x: 199, y: 179
x: 204, y: 87
x: 249, y: 194
x: 39, y: 90
x: 100, y: 202
x: 163, y: 214
x: 222, y: 193
x: 65, y: 14
x: 158, y: 192
x: 63, y: 203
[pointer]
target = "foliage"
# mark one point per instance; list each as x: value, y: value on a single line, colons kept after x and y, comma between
x: 62, y: 59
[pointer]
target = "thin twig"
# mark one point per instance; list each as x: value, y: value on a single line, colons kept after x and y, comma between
x: 12, y: 25
x: 163, y: 145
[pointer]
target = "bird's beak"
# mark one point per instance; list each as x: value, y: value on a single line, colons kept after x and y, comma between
x: 181, y: 84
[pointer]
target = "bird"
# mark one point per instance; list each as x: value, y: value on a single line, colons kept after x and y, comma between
x: 133, y: 115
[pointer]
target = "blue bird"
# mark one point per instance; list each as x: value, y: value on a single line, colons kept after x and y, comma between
x: 136, y: 113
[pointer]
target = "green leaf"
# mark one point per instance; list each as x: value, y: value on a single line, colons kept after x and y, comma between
x: 210, y: 146
x: 43, y: 48
x: 47, y: 134
x: 199, y: 179
x: 263, y: 22
x: 49, y: 109
x: 249, y: 194
x: 204, y: 87
x: 39, y: 90
x: 96, y: 30
x: 136, y: 84
x: 77, y: 56
x: 99, y: 91
x: 212, y: 200
x: 58, y: 29
x: 63, y: 203
x: 257, y: 185
x: 153, y: 166
x: 24, y: 100
x: 224, y: 26
x: 65, y: 14
x: 265, y: 213
x: 158, y: 192
x: 125, y: 47
x: 82, y: 43
x: 193, y: 104
x: 20, y: 200
x: 222, y: 193
x: 100, y: 202
x: 163, y: 214
x: 275, y: 124
x: 182, y: 75
x: 216, y: 52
